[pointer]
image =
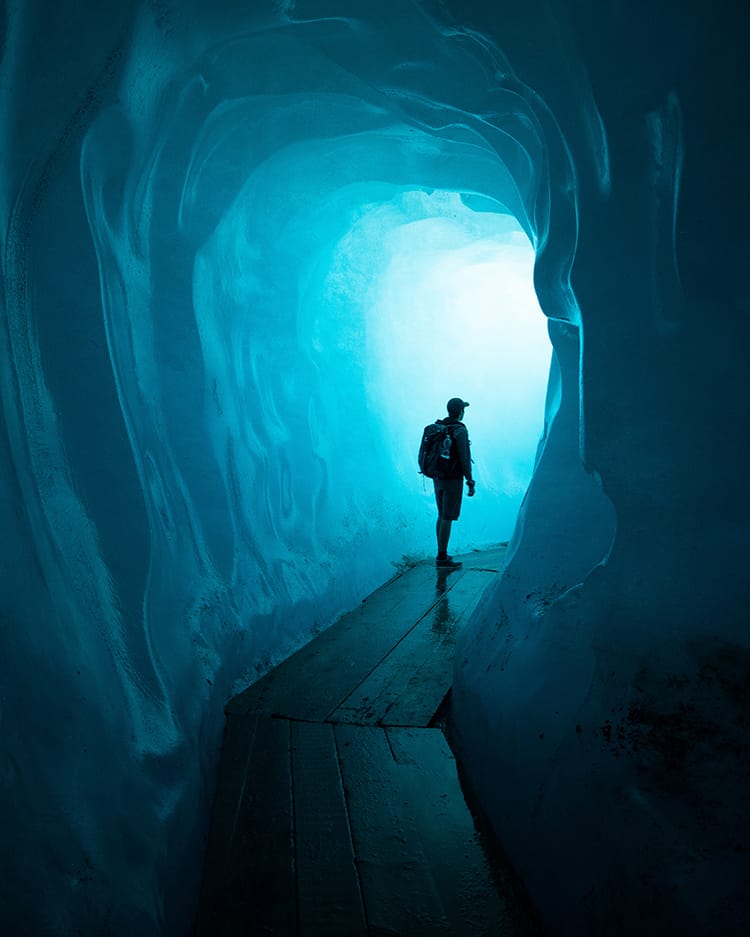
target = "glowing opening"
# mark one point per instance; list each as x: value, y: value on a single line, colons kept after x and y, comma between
x: 454, y: 312
x: 333, y: 372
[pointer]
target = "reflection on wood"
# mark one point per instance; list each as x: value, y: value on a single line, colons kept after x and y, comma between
x: 333, y: 820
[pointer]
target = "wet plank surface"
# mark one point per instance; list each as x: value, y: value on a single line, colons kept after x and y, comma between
x: 316, y: 681
x: 398, y: 888
x: 343, y: 655
x: 328, y: 889
x: 431, y: 793
x: 332, y: 819
x: 410, y: 683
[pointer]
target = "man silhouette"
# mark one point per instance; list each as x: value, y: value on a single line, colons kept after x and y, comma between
x: 449, y: 490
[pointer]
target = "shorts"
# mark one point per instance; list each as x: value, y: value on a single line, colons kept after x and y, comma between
x: 448, y: 492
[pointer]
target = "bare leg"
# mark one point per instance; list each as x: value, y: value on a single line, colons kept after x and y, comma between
x: 443, y: 531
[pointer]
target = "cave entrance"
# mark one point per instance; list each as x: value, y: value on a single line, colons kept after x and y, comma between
x: 331, y: 336
x: 452, y: 311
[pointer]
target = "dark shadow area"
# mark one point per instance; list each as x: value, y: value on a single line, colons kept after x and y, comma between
x: 521, y: 909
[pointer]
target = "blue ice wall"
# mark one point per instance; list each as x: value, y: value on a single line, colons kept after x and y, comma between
x: 601, y: 692
x: 196, y: 469
x: 181, y: 363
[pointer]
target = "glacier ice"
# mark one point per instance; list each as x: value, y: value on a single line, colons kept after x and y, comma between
x: 195, y: 196
x: 209, y: 451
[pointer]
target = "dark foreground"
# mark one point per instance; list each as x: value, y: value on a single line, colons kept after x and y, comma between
x: 338, y: 810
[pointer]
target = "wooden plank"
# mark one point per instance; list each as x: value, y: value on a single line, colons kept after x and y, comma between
x: 257, y: 895
x: 432, y: 793
x: 239, y: 731
x: 312, y: 682
x: 329, y: 900
x: 253, y: 876
x: 400, y: 896
x: 411, y: 682
x: 424, y: 691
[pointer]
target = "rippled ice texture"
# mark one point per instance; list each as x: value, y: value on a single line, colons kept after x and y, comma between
x: 196, y: 464
x: 192, y: 195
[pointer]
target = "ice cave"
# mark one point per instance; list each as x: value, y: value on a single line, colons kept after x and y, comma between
x: 249, y: 250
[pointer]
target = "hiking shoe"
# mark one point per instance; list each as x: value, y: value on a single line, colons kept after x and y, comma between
x: 447, y: 562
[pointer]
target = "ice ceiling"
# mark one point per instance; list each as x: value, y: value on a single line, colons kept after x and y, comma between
x: 228, y: 228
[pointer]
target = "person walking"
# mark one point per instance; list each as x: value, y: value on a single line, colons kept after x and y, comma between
x: 449, y: 489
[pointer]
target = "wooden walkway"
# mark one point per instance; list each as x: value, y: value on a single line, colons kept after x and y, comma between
x: 338, y: 810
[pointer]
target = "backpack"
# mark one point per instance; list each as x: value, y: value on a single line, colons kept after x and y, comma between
x: 435, y: 451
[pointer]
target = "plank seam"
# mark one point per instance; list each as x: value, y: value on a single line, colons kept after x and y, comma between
x: 349, y: 827
x: 294, y: 825
x: 439, y: 598
x: 390, y: 744
x: 243, y: 786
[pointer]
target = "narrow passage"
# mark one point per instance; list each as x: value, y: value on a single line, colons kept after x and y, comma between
x: 338, y: 810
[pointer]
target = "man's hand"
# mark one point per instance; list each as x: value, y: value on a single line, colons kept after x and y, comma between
x: 471, y: 486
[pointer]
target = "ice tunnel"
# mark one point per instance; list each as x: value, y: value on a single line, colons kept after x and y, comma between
x: 235, y: 237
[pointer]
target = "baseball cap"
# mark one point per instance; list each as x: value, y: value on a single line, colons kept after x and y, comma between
x: 456, y: 405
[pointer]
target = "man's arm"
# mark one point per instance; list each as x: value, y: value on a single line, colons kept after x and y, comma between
x: 461, y: 440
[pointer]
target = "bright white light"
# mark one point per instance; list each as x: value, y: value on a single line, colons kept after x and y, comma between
x: 454, y: 313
